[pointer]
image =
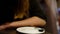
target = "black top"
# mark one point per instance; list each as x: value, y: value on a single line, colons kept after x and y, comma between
x: 7, y: 13
x: 35, y: 9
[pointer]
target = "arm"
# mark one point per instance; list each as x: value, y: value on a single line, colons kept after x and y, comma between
x: 33, y: 21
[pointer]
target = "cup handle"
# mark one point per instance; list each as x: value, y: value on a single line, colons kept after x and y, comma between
x: 42, y: 30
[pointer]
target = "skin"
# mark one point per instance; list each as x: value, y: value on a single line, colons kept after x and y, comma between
x: 33, y: 21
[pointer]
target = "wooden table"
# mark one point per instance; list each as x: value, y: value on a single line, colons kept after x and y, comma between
x: 8, y: 31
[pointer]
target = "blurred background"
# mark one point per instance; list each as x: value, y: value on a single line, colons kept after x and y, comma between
x: 51, y: 8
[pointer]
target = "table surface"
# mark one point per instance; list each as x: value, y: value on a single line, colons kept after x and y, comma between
x: 12, y: 31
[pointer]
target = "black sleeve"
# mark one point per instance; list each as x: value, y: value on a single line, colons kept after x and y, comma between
x: 35, y: 10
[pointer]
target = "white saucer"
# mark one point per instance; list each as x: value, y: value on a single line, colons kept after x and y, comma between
x: 30, y: 30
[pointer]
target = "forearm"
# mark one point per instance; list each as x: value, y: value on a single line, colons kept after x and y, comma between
x: 33, y: 21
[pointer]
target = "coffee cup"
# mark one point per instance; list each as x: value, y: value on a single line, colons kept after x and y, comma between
x: 30, y: 30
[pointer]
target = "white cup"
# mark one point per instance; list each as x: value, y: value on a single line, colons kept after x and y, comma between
x: 30, y: 30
